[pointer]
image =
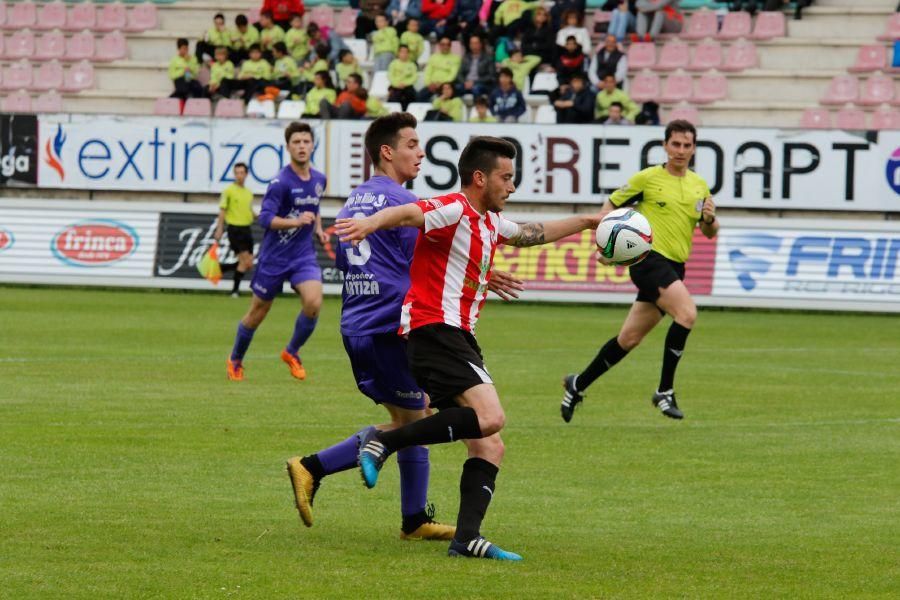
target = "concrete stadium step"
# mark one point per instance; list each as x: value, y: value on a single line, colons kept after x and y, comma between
x: 115, y: 102
x: 827, y: 22
x: 810, y: 53
x: 132, y: 75
x: 780, y: 85
x: 889, y: 5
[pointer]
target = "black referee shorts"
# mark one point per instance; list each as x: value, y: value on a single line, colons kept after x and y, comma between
x: 240, y: 238
x: 445, y: 361
x: 654, y: 272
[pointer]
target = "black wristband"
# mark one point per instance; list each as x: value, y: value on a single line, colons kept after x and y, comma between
x: 710, y: 222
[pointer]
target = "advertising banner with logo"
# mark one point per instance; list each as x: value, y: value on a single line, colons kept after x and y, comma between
x: 18, y: 150
x: 156, y: 153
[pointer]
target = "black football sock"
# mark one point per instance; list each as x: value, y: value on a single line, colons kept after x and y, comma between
x: 609, y: 355
x: 314, y: 466
x: 476, y: 489
x: 238, y: 276
x: 675, y: 341
x: 449, y: 425
x: 228, y: 267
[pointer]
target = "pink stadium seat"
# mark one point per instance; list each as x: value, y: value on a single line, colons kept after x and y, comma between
x: 17, y: 76
x: 736, y: 25
x: 346, y: 22
x: 20, y: 45
x: 878, y: 89
x: 644, y: 87
x: 892, y: 30
x: 51, y: 16
x: 1, y: 43
x: 80, y: 46
x: 816, y: 118
x: 112, y: 17
x: 49, y: 76
x: 677, y: 88
x: 687, y: 113
x: 81, y: 16
x: 112, y: 46
x: 851, y: 119
x: 79, y: 77
x: 870, y: 58
x: 641, y: 55
x: 323, y: 16
x: 2, y: 15
x: 50, y: 45
x: 709, y: 88
x: 21, y: 15
x: 167, y: 107
x: 841, y: 90
x: 702, y: 24
x: 674, y: 55
x: 229, y: 108
x: 17, y: 102
x: 886, y: 119
x: 707, y: 55
x: 143, y: 17
x: 739, y: 56
x: 769, y: 25
x: 197, y: 107
x: 48, y: 102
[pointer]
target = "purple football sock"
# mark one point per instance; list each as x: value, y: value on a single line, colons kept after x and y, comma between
x: 303, y: 328
x: 340, y: 457
x: 241, y: 342
x: 414, y: 469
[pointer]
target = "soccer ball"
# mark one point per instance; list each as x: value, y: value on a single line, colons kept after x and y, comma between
x: 624, y: 237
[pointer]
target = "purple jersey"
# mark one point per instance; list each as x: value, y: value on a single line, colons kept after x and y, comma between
x: 288, y: 196
x: 376, y: 272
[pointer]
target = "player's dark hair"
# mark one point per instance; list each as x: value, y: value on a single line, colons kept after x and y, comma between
x: 254, y: 47
x: 400, y: 47
x: 505, y: 71
x: 280, y: 46
x: 385, y: 131
x: 218, y: 16
x: 481, y: 154
x: 181, y: 42
x: 297, y: 127
x: 242, y: 165
x: 343, y: 53
x: 680, y: 126
x: 241, y: 20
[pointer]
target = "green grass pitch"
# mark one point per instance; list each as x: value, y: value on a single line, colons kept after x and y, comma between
x: 132, y: 469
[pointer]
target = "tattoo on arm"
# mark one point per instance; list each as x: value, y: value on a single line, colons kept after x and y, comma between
x: 530, y: 234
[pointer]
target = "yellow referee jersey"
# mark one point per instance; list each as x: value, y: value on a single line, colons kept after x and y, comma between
x: 237, y: 202
x: 671, y: 204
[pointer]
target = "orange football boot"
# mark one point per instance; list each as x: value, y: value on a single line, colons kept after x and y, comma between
x: 235, y: 370
x: 295, y: 365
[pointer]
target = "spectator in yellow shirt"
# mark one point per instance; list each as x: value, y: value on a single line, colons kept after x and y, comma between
x: 219, y: 71
x: 255, y: 75
x: 482, y: 112
x: 242, y: 37
x: 402, y: 76
x: 215, y: 36
x: 446, y: 107
x: 297, y: 40
x: 269, y: 34
x: 183, y: 71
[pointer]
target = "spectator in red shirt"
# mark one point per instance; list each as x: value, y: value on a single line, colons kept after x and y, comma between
x: 437, y: 16
x: 350, y: 103
x: 283, y: 10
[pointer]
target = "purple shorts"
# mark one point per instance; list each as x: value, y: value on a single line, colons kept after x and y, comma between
x: 268, y: 283
x: 381, y: 370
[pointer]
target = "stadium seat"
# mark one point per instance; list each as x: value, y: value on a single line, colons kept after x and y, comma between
x: 701, y: 24
x: 17, y: 76
x: 687, y: 113
x: 677, y: 87
x: 419, y: 109
x: 644, y: 87
x: 641, y: 55
x: 769, y: 25
x: 380, y: 84
x: 426, y: 54
x: 545, y: 114
x: 264, y: 109
x: 20, y: 45
x: 21, y: 15
x: 17, y: 102
x: 50, y: 75
x: 393, y: 107
x: 739, y: 56
x: 80, y: 76
x: 51, y: 45
x: 851, y: 119
x: 48, y: 102
x: 229, y: 108
x: 456, y: 48
x: 707, y: 55
x: 735, y: 25
x: 346, y: 22
x: 51, y: 16
x: 886, y: 119
x: 143, y: 17
x: 2, y: 15
x: 674, y: 55
x: 81, y: 17
x: 323, y: 16
x: 291, y: 110
x: 841, y: 90
x: 870, y: 58
x: 816, y: 118
x: 112, y: 17
x: 359, y: 48
x: 197, y: 107
x: 526, y: 116
x: 878, y: 89
x: 892, y: 29
x: 112, y: 46
x: 543, y: 82
x: 167, y: 107
x: 80, y: 46
x: 709, y: 88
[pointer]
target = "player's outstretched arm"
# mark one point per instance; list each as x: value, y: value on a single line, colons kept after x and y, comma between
x: 354, y: 230
x: 535, y: 234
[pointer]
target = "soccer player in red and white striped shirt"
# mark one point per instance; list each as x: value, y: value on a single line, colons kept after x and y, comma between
x: 451, y: 268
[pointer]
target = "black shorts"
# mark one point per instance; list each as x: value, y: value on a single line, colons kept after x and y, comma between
x: 240, y: 238
x: 446, y: 361
x: 654, y: 272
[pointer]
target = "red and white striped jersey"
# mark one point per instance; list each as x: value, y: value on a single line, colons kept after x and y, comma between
x: 452, y: 263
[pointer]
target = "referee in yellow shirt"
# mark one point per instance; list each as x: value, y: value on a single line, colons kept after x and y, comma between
x: 236, y: 211
x: 675, y: 200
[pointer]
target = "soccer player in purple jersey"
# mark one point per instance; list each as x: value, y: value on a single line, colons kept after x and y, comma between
x: 376, y: 279
x: 290, y: 216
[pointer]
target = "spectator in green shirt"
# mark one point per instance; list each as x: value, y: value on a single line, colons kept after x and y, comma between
x: 508, y: 19
x: 347, y: 64
x: 412, y: 39
x: 447, y: 107
x: 297, y: 40
x: 242, y: 37
x: 402, y: 76
x: 285, y: 73
x: 482, y: 113
x: 255, y: 75
x: 521, y: 66
x: 384, y: 43
x: 609, y: 93
x: 215, y: 36
x: 183, y: 71
x: 322, y: 89
x: 269, y: 34
x: 222, y: 69
x: 443, y: 66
